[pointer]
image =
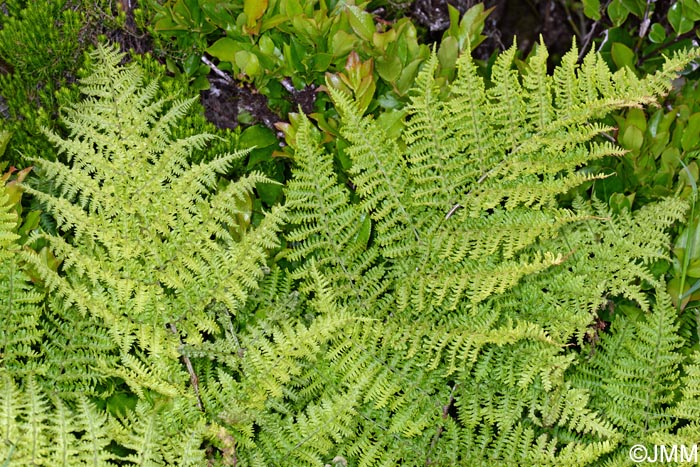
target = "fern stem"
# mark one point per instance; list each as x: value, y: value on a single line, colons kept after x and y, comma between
x: 194, y: 380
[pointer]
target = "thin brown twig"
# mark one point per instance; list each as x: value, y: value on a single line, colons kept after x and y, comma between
x: 445, y: 414
x: 194, y: 380
x: 589, y: 36
x: 216, y: 70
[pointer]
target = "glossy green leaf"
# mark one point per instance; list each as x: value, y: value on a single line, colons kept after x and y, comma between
x: 691, y: 136
x: 364, y: 232
x: 267, y: 46
x: 257, y: 136
x: 224, y: 49
x: 675, y: 292
x: 408, y: 76
x: 389, y: 68
x: 659, y: 143
x: 693, y: 268
x: 691, y: 9
x: 637, y: 118
x: 449, y: 50
x: 201, y: 82
x: 254, y: 9
x: 654, y: 122
x: 591, y: 8
x: 678, y: 21
x: 617, y: 12
x: 671, y: 157
x: 191, y: 64
x: 622, y: 55
x: 620, y: 203
x: 470, y: 27
x: 322, y: 62
x: 31, y: 222
x: 269, y: 193
x: 342, y: 43
x: 247, y: 62
x: 361, y: 22
x: 392, y: 122
x: 343, y: 156
x: 217, y: 14
x: 636, y: 7
x: 657, y: 33
x: 382, y: 40
x: 689, y: 175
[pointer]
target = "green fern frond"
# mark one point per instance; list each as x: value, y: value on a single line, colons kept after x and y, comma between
x: 20, y: 302
x: 633, y: 372
x: 148, y: 247
x: 486, y: 277
x: 328, y: 226
x: 43, y: 432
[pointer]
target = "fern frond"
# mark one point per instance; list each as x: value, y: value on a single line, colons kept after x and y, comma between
x: 633, y: 372
x: 380, y: 178
x: 328, y: 226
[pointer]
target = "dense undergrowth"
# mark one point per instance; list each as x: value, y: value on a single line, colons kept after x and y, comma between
x: 358, y: 245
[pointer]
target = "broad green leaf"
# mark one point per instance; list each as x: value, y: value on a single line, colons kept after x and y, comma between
x: 224, y: 49
x: 247, y: 62
x: 691, y: 136
x: 691, y: 9
x: 389, y: 68
x: 342, y: 43
x: 257, y: 136
x: 217, y: 14
x: 363, y: 233
x: 637, y: 118
x: 619, y: 202
x: 361, y: 22
x: 392, y: 122
x: 408, y: 76
x: 654, y: 122
x: 636, y: 7
x: 591, y: 8
x: 291, y: 8
x: 657, y: 33
x: 254, y: 9
x: 449, y: 50
x: 622, y: 55
x: 471, y: 26
x: 267, y: 46
x: 678, y: 21
x: 382, y: 40
x: 617, y: 12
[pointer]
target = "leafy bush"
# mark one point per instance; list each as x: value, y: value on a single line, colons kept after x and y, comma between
x: 39, y: 46
x: 283, y: 47
x: 638, y: 32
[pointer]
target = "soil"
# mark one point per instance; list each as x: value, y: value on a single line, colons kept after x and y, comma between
x: 526, y: 19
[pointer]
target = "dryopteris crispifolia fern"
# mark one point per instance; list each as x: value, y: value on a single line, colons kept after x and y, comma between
x: 153, y: 258
x: 462, y: 331
x: 477, y: 296
x: 146, y: 246
x: 21, y: 330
